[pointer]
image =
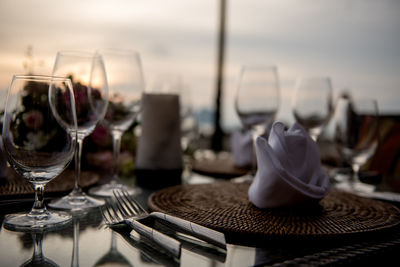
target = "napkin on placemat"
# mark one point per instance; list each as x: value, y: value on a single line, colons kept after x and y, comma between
x: 289, y: 169
x: 242, y: 148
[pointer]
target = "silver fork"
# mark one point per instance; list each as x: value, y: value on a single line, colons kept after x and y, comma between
x: 115, y: 213
x: 136, y: 210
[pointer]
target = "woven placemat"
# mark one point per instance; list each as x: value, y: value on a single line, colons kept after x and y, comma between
x: 218, y: 168
x: 224, y: 206
x: 14, y: 184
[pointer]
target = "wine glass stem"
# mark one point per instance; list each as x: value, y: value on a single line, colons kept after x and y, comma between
x: 117, y: 135
x: 37, y: 247
x: 356, y: 169
x: 78, y: 155
x: 38, y: 206
x: 254, y: 135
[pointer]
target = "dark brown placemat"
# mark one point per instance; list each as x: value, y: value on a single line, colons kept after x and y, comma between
x: 225, y: 207
x: 14, y: 185
x: 219, y: 168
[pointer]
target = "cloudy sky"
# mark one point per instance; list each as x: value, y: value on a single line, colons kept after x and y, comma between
x: 355, y: 42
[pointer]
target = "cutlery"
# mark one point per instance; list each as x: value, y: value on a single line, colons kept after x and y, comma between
x: 137, y: 211
x: 115, y: 213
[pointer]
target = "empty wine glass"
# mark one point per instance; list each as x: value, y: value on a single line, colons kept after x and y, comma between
x: 356, y: 135
x: 38, y: 140
x: 312, y: 104
x: 126, y: 83
x: 88, y: 76
x: 257, y: 99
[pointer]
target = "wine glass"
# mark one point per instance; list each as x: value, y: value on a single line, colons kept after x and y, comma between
x: 312, y: 104
x: 88, y: 76
x: 356, y: 135
x: 38, y: 141
x: 257, y: 99
x: 126, y: 83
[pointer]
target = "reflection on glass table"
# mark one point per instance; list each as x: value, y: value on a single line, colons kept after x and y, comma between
x: 113, y: 257
x: 38, y: 258
x: 93, y: 242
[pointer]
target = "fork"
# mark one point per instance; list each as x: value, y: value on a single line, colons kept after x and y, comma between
x: 115, y: 213
x: 136, y: 210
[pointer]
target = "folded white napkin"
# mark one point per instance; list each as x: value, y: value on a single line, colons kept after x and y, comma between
x: 242, y: 148
x: 289, y: 169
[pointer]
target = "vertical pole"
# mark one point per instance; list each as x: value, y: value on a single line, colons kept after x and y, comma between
x: 216, y: 142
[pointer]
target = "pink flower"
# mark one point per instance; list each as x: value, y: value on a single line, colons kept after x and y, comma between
x: 100, y: 135
x: 103, y: 160
x: 33, y: 119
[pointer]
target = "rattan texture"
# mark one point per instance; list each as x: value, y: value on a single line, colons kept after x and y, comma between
x: 14, y: 184
x: 224, y: 206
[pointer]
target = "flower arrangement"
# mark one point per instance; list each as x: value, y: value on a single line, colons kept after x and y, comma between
x: 97, y: 147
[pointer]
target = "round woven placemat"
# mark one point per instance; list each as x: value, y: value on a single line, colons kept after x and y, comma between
x: 224, y: 206
x: 218, y: 168
x: 14, y: 184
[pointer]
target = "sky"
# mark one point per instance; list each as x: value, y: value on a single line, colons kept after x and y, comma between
x: 354, y: 42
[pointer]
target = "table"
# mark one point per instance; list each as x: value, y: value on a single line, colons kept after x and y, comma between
x: 86, y: 240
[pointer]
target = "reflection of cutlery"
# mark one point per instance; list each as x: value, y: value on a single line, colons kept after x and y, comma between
x: 203, y: 233
x: 115, y: 213
x: 147, y: 247
x: 193, y: 244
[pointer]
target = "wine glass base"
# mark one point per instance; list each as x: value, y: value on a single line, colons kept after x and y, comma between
x: 76, y: 202
x: 106, y: 190
x: 24, y: 221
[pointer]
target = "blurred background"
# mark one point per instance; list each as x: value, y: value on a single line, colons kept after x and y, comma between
x: 355, y: 42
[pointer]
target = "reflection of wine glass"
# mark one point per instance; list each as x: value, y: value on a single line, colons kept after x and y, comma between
x: 88, y: 76
x: 356, y: 134
x: 312, y: 104
x: 38, y: 259
x: 113, y: 257
x: 257, y: 98
x: 37, y: 142
x: 125, y: 79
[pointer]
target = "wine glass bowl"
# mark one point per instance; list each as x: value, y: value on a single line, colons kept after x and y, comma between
x: 312, y: 103
x: 257, y: 101
x: 257, y: 97
x: 356, y: 132
x: 38, y: 145
x: 87, y: 73
x: 126, y: 84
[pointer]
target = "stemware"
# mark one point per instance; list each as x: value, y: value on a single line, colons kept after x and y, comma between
x: 126, y: 83
x: 88, y: 76
x: 312, y: 104
x: 356, y: 135
x: 257, y: 99
x: 38, y: 140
